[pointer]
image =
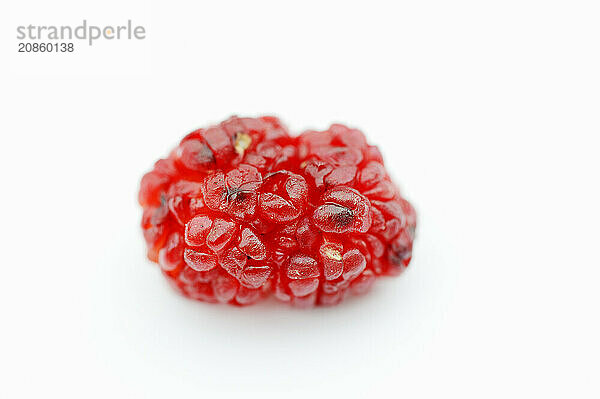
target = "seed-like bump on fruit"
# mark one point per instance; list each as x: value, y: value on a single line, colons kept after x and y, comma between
x: 375, y: 245
x: 284, y: 196
x: 307, y: 234
x: 400, y: 249
x: 225, y: 287
x: 331, y: 253
x: 341, y: 175
x: 345, y: 210
x: 363, y: 283
x: 302, y: 267
x: 342, y: 217
x: 383, y: 190
x: 317, y: 170
x: 371, y: 174
x: 339, y: 156
x: 252, y: 246
x: 199, y: 261
x: 331, y: 257
x: 333, y: 218
x: 197, y: 229
x: 277, y: 208
x: 222, y: 147
x: 354, y: 264
x: 214, y: 190
x: 241, y: 142
x: 196, y: 155
x: 255, y: 276
x: 233, y: 261
x: 221, y: 234
x: 171, y: 255
x: 392, y: 228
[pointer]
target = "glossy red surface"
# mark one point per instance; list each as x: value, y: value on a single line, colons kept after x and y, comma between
x: 243, y: 210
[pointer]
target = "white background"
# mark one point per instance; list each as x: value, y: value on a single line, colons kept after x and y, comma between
x: 488, y: 117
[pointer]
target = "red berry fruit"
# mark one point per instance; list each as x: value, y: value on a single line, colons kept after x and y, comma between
x: 243, y: 210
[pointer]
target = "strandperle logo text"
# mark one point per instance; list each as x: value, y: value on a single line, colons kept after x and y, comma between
x: 87, y: 32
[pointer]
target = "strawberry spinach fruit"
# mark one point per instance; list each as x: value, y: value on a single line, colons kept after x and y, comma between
x: 243, y: 210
